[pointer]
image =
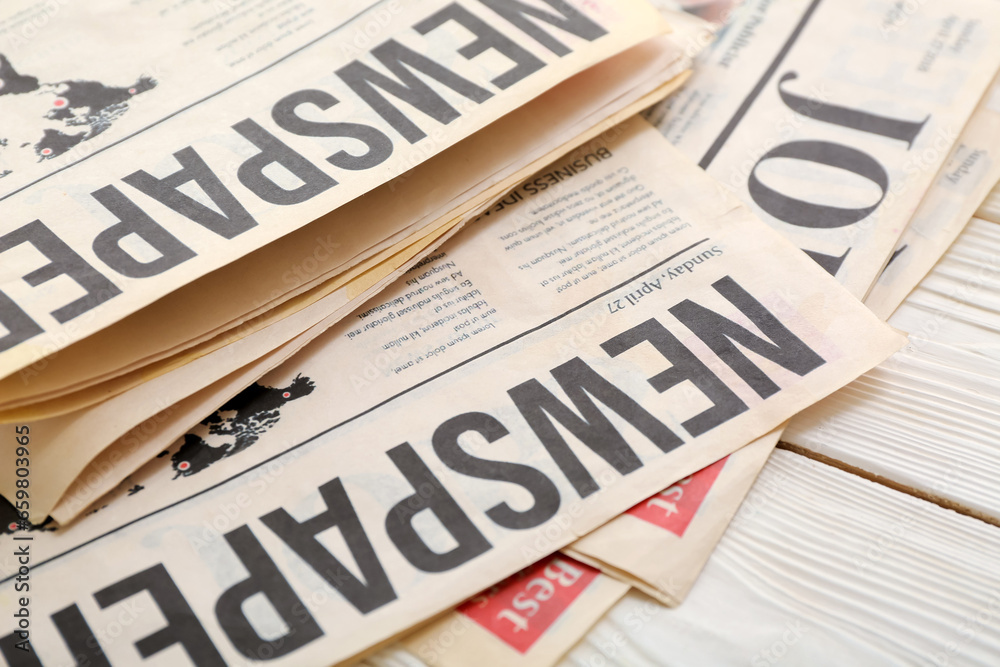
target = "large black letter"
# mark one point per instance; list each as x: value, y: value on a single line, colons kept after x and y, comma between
x: 79, y: 638
x: 542, y: 490
x: 76, y: 634
x: 274, y: 151
x: 16, y: 656
x: 429, y: 495
x: 379, y: 145
x: 183, y: 627
x: 487, y: 38
x: 264, y: 577
x: 20, y: 326
x: 685, y: 366
x: 569, y: 20
x: 830, y: 263
x: 539, y: 406
x: 892, y: 128
x: 301, y: 538
x: 64, y: 262
x: 807, y: 214
x: 233, y: 220
x: 133, y: 220
x: 364, y: 80
x: 787, y: 350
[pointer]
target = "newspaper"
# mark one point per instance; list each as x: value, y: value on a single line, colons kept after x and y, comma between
x: 832, y: 119
x: 578, y: 109
x: 335, y: 122
x: 570, y: 353
x: 660, y: 562
x: 530, y: 619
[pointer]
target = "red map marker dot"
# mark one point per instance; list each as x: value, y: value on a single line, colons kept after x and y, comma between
x: 46, y: 151
x: 12, y: 527
x: 287, y: 394
x: 183, y: 465
x: 131, y: 91
x: 59, y: 102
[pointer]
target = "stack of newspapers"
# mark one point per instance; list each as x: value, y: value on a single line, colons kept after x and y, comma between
x: 421, y: 331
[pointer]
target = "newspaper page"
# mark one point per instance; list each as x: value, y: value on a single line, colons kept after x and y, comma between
x: 530, y: 619
x: 442, y: 188
x: 607, y: 326
x: 206, y: 180
x: 973, y: 168
x: 830, y: 119
x: 190, y: 320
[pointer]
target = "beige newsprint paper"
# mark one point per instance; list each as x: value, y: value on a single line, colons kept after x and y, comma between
x: 609, y: 325
x: 203, y: 176
x: 831, y: 118
x: 531, y: 619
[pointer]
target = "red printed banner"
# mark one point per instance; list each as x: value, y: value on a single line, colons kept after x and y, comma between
x: 673, y: 508
x: 522, y: 607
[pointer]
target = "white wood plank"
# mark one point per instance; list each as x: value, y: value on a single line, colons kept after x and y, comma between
x: 929, y: 418
x: 823, y: 567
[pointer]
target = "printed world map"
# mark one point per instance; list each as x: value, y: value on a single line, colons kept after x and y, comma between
x: 41, y: 121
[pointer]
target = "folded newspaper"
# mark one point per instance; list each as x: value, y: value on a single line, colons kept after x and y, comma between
x: 96, y: 390
x: 192, y: 171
